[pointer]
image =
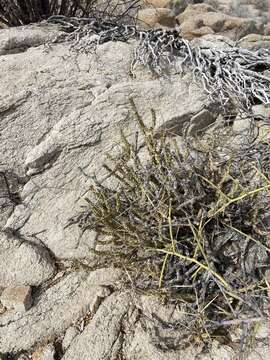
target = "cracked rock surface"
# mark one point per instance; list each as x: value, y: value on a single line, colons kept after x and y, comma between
x: 102, y: 338
x: 54, y: 310
x: 68, y: 113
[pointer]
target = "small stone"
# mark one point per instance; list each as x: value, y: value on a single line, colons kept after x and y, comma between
x: 255, y: 42
x: 18, y: 298
x: 70, y: 334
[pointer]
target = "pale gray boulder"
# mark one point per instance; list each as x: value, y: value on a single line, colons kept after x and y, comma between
x: 23, y: 262
x: 71, y: 110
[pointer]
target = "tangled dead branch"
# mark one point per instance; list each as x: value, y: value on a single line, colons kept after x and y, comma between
x: 234, y: 76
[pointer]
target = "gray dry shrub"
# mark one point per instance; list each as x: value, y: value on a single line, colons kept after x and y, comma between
x: 194, y: 230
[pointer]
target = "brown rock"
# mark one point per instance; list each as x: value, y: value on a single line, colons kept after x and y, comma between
x: 18, y: 298
x: 149, y: 18
x: 192, y: 10
x: 198, y: 20
x: 204, y: 30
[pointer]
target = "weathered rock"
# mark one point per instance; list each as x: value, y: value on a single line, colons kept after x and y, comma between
x: 262, y: 330
x: 144, y: 342
x: 70, y: 335
x: 158, y: 3
x: 2, y: 309
x: 201, y: 121
x: 151, y: 308
x: 18, y: 298
x: 255, y: 42
x: 198, y: 20
x: 193, y: 10
x: 213, y: 41
x: 6, y: 204
x: 19, y: 39
x: 261, y: 352
x: 262, y: 111
x: 10, y: 187
x: 179, y: 6
x: 258, y: 10
x: 152, y: 335
x: 267, y: 29
x: 102, y: 338
x: 219, y: 351
x: 241, y: 126
x: 23, y: 262
x: 151, y: 17
x: 61, y: 152
x: 55, y: 310
x: 244, y: 127
x: 140, y: 346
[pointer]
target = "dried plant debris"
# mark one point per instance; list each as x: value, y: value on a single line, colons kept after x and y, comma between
x: 234, y: 76
x: 192, y: 226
